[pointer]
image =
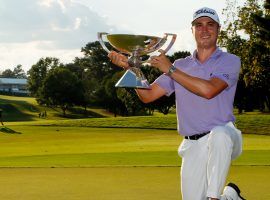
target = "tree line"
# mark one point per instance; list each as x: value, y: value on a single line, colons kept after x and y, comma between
x: 89, y: 81
x: 17, y: 72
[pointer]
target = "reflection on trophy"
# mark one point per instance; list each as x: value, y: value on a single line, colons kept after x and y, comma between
x: 135, y: 46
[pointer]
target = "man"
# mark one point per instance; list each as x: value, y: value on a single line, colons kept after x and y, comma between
x: 204, y: 86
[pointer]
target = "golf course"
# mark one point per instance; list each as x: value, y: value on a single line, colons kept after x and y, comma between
x: 111, y: 158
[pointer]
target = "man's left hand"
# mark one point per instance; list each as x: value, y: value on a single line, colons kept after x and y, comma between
x: 161, y: 62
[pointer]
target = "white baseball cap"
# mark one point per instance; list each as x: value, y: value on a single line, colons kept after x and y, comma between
x: 206, y: 12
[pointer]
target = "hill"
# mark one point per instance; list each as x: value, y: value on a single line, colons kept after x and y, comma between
x: 27, y: 109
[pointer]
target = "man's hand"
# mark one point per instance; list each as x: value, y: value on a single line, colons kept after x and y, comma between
x: 161, y: 62
x: 119, y: 59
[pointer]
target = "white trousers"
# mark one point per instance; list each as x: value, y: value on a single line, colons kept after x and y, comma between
x: 206, y: 162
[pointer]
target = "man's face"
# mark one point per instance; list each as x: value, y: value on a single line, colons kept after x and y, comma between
x: 205, y: 31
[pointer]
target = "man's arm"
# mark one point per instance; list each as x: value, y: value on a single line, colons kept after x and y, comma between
x: 205, y: 88
x: 147, y: 96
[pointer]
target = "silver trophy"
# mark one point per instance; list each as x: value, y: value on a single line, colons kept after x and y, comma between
x: 135, y: 46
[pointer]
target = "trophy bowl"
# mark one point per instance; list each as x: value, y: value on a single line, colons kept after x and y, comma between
x: 135, y: 46
x: 128, y: 44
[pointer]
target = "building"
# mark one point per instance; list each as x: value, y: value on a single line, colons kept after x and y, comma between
x: 14, y: 85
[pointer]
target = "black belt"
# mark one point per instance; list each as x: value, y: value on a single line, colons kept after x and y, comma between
x: 197, y: 136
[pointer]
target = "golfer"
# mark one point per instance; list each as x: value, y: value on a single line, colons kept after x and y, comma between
x: 204, y: 85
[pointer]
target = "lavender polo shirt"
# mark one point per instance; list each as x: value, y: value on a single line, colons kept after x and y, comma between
x: 196, y: 114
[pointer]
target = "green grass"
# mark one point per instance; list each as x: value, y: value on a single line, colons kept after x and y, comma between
x: 249, y: 124
x: 254, y: 123
x: 121, y: 158
x: 79, y: 146
x: 70, y: 163
x: 90, y: 183
x: 19, y: 108
x: 116, y: 183
x: 26, y: 109
x: 50, y: 146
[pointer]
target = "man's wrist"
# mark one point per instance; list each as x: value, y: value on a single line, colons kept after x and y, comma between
x: 172, y: 69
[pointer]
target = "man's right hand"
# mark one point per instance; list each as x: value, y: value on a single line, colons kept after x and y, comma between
x: 119, y: 59
x: 145, y: 96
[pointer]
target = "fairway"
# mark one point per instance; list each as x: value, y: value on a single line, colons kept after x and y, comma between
x: 54, y: 146
x: 117, y: 183
x: 81, y: 162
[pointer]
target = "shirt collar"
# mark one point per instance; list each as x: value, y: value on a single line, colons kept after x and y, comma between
x: 215, y: 54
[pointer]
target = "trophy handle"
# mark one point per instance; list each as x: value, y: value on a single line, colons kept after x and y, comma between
x: 161, y: 43
x: 100, y: 34
x: 172, y: 41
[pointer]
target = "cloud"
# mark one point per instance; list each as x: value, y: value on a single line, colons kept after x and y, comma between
x: 29, y: 53
x: 64, y: 24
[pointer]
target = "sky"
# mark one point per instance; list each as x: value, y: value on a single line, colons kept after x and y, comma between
x: 32, y: 29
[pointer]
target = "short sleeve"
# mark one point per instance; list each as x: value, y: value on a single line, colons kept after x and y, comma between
x: 166, y: 83
x: 228, y: 69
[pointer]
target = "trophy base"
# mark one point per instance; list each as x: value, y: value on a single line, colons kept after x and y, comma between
x: 130, y: 80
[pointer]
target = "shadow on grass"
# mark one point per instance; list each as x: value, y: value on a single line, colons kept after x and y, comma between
x: 14, y: 110
x: 79, y: 113
x: 8, y: 130
x: 20, y: 110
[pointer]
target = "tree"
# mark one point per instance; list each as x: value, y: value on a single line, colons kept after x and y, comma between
x: 38, y: 73
x: 19, y: 72
x: 178, y: 55
x: 115, y: 104
x: 8, y: 73
x: 61, y: 88
x: 264, y: 22
x: 131, y: 101
x: 90, y: 82
x: 97, y: 61
x: 83, y: 75
x: 253, y: 51
x: 97, y: 70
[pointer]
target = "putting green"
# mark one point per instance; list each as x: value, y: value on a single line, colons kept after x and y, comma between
x: 117, y: 183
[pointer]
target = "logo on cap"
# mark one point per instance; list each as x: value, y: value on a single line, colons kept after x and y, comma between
x: 204, y: 11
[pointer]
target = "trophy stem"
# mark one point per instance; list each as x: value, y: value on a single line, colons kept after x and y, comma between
x: 134, y: 60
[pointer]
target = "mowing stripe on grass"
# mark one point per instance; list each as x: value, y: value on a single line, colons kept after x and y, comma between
x: 125, y: 159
